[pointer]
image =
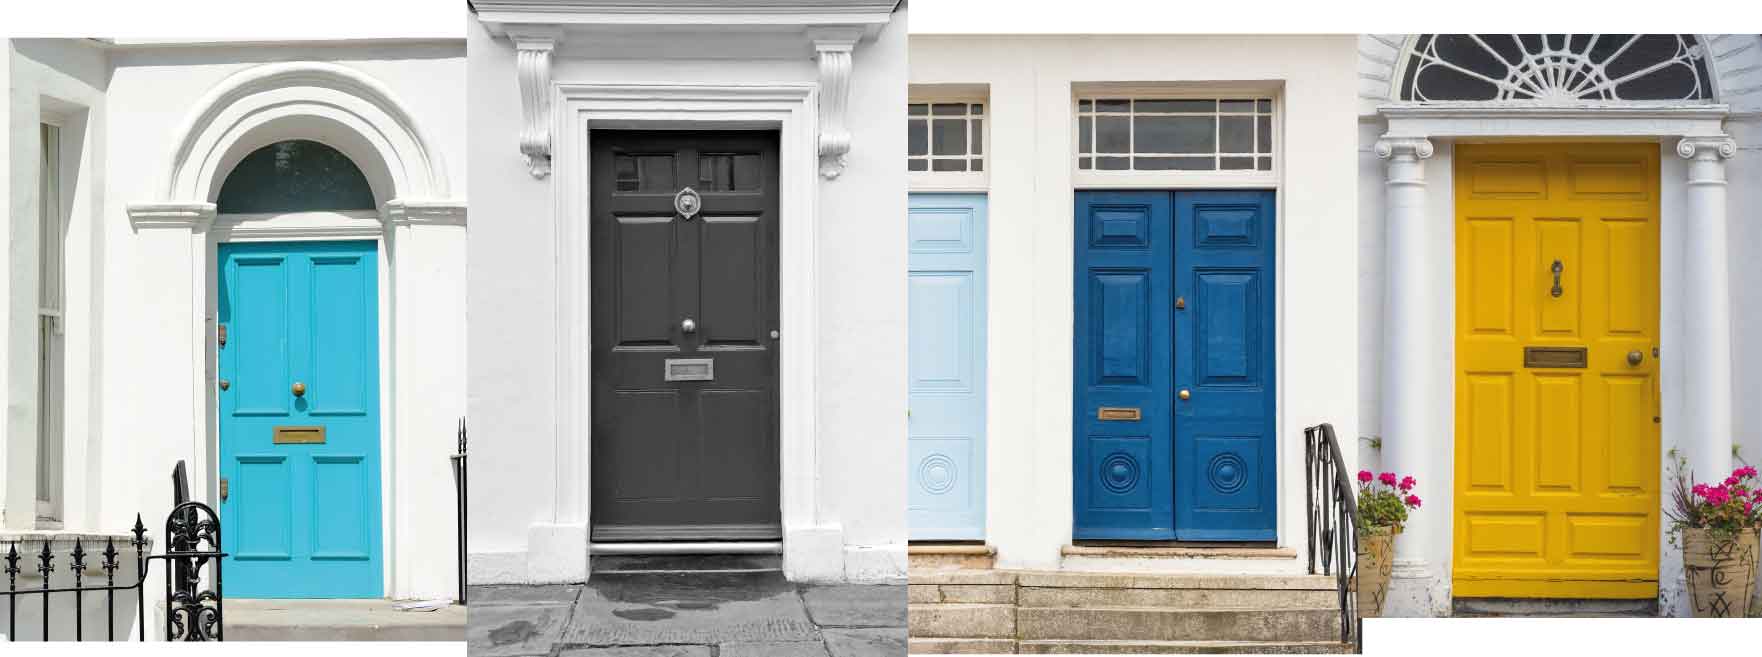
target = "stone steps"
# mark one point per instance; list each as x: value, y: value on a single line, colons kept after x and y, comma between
x: 1154, y: 624
x: 1181, y: 648
x: 950, y: 556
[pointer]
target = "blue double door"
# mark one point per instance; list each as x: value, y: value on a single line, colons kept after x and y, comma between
x: 946, y: 366
x: 298, y: 385
x: 1174, y: 366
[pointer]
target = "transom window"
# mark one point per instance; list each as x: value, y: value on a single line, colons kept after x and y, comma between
x: 1174, y: 134
x: 945, y: 137
x: 294, y: 176
x: 1556, y: 68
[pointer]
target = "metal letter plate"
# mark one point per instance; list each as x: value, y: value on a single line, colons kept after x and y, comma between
x: 691, y: 369
x: 1555, y: 357
x: 293, y: 435
x: 1114, y: 414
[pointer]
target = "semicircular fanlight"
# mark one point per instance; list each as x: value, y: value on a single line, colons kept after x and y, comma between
x: 1558, y: 69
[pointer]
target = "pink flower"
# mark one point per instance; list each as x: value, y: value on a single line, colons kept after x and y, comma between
x: 1413, y: 501
x: 1746, y: 471
x: 1364, y: 476
x: 1731, y: 481
x: 1407, y: 484
x: 1388, y: 478
x: 1701, y: 490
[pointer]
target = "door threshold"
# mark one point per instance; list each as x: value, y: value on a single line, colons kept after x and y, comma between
x: 1161, y: 549
x: 683, y: 547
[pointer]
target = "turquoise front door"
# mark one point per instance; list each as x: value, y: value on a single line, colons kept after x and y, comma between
x: 299, y: 419
x: 946, y: 365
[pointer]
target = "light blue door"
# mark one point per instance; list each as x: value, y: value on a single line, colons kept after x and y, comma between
x: 947, y: 366
x: 299, y: 419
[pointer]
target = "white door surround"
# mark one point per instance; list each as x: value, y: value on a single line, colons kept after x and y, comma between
x: 812, y: 547
x: 419, y: 228
x: 1419, y: 298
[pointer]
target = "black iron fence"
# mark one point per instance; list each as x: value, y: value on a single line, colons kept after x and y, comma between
x: 193, y: 608
x: 1333, y: 522
x: 459, y: 472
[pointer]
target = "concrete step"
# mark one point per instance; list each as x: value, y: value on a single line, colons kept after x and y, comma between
x: 619, y: 563
x: 949, y: 556
x: 1182, y: 648
x: 339, y: 620
x: 1546, y: 608
x: 1170, y: 598
x: 962, y: 620
x: 920, y: 646
x: 1156, y: 624
x: 1113, y: 580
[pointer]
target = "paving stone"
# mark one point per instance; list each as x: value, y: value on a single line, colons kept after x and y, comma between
x: 637, y: 651
x: 773, y: 649
x: 856, y: 605
x: 888, y: 642
x: 512, y: 631
x: 559, y: 594
x: 688, y: 608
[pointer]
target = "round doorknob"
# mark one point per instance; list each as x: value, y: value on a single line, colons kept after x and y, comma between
x: 1185, y: 394
x: 688, y: 326
x: 1634, y: 357
x: 299, y: 389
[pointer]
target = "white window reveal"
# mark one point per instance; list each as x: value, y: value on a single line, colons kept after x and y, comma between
x: 51, y: 240
x: 1174, y: 134
x: 945, y: 137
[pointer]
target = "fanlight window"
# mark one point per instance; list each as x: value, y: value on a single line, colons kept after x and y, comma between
x: 294, y: 176
x: 1557, y: 68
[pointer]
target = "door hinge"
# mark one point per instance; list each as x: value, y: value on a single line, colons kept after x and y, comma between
x: 223, y: 489
x: 220, y: 335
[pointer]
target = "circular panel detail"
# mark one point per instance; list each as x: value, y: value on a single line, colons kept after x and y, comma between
x: 1120, y: 473
x: 937, y: 474
x: 1227, y: 472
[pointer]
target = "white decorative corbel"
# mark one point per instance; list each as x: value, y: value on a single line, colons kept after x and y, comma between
x: 532, y: 67
x: 833, y: 50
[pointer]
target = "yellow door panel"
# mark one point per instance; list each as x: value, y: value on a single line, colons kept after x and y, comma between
x: 1556, y: 492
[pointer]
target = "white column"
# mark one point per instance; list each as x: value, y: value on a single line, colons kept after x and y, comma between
x: 1409, y: 359
x: 1706, y: 422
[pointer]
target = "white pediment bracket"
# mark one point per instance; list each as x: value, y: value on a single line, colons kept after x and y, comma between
x: 832, y: 50
x: 533, y: 46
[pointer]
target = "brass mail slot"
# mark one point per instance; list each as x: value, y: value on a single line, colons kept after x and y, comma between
x: 1116, y: 414
x: 1555, y: 357
x: 294, y: 435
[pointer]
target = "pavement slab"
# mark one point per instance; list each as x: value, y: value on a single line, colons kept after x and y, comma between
x: 637, y: 651
x: 689, y: 608
x: 558, y: 594
x: 774, y: 649
x: 856, y: 605
x: 514, y: 630
x: 870, y: 642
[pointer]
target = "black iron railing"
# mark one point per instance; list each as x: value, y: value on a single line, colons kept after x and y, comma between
x: 192, y: 612
x: 1333, y: 522
x: 459, y: 472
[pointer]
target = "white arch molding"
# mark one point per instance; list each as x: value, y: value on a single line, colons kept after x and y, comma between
x: 420, y: 230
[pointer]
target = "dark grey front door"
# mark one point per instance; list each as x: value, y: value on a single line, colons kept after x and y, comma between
x: 684, y: 336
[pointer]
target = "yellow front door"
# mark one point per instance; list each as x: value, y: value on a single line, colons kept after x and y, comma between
x: 1557, y: 463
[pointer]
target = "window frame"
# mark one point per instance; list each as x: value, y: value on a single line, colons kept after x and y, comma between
x: 955, y: 181
x: 1152, y: 179
x: 51, y: 366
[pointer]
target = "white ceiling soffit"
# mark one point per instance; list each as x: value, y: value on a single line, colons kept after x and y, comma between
x: 754, y: 14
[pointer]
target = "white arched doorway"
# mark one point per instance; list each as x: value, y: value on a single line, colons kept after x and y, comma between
x: 415, y: 227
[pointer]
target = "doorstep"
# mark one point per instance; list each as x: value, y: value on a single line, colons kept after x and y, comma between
x: 339, y: 620
x: 949, y: 556
x: 1182, y: 559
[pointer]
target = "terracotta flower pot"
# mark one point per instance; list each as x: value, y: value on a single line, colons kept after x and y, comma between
x: 1721, y: 572
x: 1376, y: 559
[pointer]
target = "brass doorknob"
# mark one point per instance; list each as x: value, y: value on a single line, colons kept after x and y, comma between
x: 299, y: 389
x: 1634, y: 357
x: 1185, y: 394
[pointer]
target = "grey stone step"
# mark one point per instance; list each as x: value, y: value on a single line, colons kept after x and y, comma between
x: 1182, y: 647
x: 947, y: 556
x: 920, y: 646
x: 1092, y: 579
x: 1174, y: 598
x: 619, y: 563
x: 1154, y: 624
x: 339, y: 620
x: 962, y: 620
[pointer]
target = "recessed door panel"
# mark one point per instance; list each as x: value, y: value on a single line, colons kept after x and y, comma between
x: 1557, y: 457
x: 945, y: 290
x: 301, y: 357
x: 684, y: 336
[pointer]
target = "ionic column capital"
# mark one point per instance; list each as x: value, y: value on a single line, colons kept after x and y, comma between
x: 1707, y: 148
x: 1417, y: 148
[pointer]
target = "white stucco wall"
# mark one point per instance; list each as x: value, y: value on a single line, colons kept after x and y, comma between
x: 140, y: 375
x: 1030, y: 81
x: 1739, y: 85
x: 529, y: 526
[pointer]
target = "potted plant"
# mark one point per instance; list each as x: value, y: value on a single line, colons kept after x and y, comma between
x: 1718, y: 526
x: 1383, y: 503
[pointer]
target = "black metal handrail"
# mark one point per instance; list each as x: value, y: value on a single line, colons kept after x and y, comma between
x: 459, y: 472
x: 192, y: 613
x: 1333, y: 522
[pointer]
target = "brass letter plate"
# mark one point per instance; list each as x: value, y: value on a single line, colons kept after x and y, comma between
x: 1555, y: 357
x: 293, y: 435
x: 691, y: 369
x: 1116, y: 414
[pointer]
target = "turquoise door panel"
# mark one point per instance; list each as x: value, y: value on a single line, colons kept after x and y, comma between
x: 946, y: 366
x: 301, y: 360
